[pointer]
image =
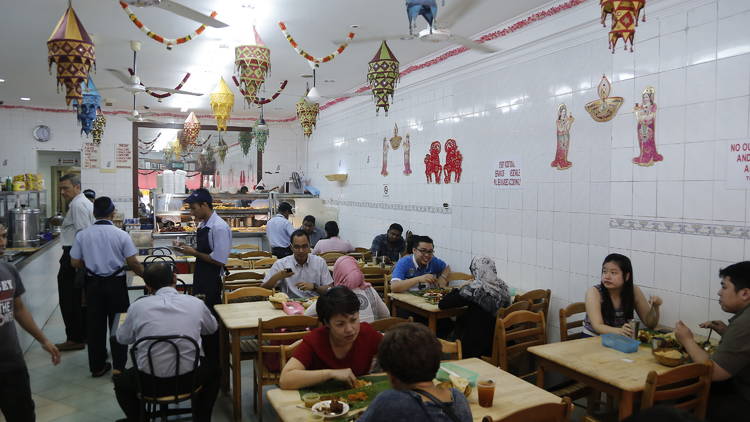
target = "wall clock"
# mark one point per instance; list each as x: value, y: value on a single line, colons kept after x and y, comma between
x: 41, y: 133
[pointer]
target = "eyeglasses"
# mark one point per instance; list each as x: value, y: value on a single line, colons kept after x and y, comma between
x: 426, y: 251
x: 300, y: 247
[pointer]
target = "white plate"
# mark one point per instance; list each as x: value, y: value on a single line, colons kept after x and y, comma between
x: 317, y: 406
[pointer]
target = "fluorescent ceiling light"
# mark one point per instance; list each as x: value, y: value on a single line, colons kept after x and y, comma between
x: 2, y: 80
x: 184, y: 109
x: 314, y: 95
x: 25, y: 99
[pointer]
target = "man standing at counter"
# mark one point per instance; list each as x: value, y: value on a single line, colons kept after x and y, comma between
x: 101, y: 250
x: 301, y: 274
x: 279, y: 229
x: 213, y: 244
x: 16, y: 403
x: 80, y: 215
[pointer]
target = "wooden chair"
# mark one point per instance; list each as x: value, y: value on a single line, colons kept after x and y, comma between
x: 516, y: 306
x: 685, y: 387
x: 385, y: 324
x: 452, y: 348
x: 364, y: 252
x: 453, y: 276
x: 548, y: 412
x: 512, y: 341
x: 263, y: 263
x: 331, y: 257
x: 253, y: 254
x: 244, y: 275
x: 244, y: 293
x: 270, y: 342
x: 246, y: 246
x: 539, y: 300
x: 565, y: 326
x: 235, y: 264
x: 378, y: 277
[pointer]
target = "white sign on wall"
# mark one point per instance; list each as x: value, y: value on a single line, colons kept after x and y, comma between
x: 91, y: 156
x: 738, y: 165
x: 506, y: 173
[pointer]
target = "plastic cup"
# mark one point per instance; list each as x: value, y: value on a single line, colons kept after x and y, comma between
x: 310, y: 399
x: 486, y: 392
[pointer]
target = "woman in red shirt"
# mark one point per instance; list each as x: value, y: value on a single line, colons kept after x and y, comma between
x: 342, y: 349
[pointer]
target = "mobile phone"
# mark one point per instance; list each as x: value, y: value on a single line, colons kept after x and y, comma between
x: 288, y: 270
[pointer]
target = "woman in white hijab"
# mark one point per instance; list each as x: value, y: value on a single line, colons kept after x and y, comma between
x: 483, y: 297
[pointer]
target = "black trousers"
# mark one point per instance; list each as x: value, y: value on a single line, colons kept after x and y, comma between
x: 126, y: 390
x: 15, y: 396
x: 105, y: 297
x: 725, y: 404
x: 281, y: 252
x: 70, y: 300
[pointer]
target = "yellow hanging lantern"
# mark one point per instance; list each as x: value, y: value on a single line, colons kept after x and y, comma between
x: 307, y: 113
x: 222, y: 101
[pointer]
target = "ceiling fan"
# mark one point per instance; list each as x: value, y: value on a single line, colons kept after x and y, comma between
x: 180, y: 10
x: 439, y: 31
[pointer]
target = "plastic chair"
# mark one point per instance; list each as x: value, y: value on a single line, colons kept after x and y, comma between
x: 150, y: 400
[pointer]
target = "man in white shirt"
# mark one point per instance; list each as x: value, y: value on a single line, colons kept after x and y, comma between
x: 80, y: 215
x: 166, y: 312
x: 300, y: 274
x: 278, y: 231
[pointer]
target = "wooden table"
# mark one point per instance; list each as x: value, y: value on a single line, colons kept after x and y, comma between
x: 622, y: 375
x: 511, y: 395
x: 421, y: 307
x: 237, y: 320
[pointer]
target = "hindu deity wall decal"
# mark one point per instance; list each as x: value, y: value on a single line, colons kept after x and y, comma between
x: 407, y: 158
x: 384, y: 170
x: 645, y: 114
x: 432, y: 166
x: 605, y: 108
x: 563, y: 124
x: 453, y: 160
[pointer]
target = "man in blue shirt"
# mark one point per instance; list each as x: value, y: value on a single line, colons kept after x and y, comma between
x: 315, y: 234
x: 390, y: 245
x: 421, y: 269
x: 279, y: 230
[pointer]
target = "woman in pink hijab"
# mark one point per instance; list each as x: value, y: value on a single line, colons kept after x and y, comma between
x: 346, y: 272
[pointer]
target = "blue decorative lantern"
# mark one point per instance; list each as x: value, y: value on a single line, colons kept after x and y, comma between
x: 88, y: 106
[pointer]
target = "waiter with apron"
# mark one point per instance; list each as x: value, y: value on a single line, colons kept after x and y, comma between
x: 214, y: 241
x: 102, y: 249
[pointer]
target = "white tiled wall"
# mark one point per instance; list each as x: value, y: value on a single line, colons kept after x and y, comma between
x: 556, y: 231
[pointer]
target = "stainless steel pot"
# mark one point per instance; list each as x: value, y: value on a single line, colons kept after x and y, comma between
x: 55, y: 222
x: 24, y: 227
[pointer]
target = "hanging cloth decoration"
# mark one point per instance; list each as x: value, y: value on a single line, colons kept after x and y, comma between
x: 221, y: 149
x: 605, y: 108
x: 86, y: 108
x: 425, y: 8
x: 100, y: 122
x: 222, y: 101
x: 190, y: 131
x: 407, y: 157
x: 158, y: 38
x: 308, y: 56
x: 246, y: 141
x: 71, y: 49
x: 260, y: 133
x: 259, y: 100
x: 625, y: 14
x: 253, y: 63
x: 307, y: 113
x: 382, y: 76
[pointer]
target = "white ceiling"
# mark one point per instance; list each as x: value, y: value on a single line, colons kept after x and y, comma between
x: 26, y: 26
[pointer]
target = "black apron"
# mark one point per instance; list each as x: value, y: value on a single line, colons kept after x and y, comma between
x: 207, y: 277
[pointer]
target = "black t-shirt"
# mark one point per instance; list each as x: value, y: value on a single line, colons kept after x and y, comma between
x: 11, y: 287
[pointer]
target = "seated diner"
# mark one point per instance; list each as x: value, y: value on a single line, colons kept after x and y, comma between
x: 300, y: 274
x: 343, y: 348
x: 420, y: 270
x: 332, y: 242
x: 389, y: 245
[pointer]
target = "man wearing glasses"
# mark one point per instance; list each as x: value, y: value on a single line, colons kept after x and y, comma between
x: 421, y: 270
x: 301, y: 274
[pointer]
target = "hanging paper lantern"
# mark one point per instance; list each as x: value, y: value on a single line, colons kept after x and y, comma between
x: 87, y: 107
x: 260, y: 133
x: 382, y: 77
x: 221, y: 149
x: 222, y: 101
x: 307, y: 113
x: 98, y: 130
x: 246, y: 141
x: 253, y: 63
x: 625, y: 14
x: 71, y: 49
x: 190, y: 131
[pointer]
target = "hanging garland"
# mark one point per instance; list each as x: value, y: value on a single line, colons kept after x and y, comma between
x: 307, y: 55
x: 167, y: 94
x: 158, y: 38
x: 258, y: 100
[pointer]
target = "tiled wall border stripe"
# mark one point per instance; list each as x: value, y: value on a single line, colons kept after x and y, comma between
x: 681, y: 227
x: 389, y: 206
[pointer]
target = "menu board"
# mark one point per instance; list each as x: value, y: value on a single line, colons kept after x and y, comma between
x: 91, y: 155
x: 123, y: 156
x: 506, y: 173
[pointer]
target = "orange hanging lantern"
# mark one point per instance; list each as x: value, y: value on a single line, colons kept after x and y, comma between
x: 307, y: 113
x: 71, y: 49
x: 190, y: 131
x: 625, y: 15
x: 253, y: 63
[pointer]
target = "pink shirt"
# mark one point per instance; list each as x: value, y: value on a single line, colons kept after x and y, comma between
x: 334, y: 244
